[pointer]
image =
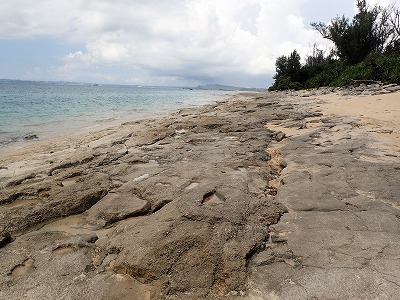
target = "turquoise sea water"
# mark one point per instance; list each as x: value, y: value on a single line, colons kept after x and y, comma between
x: 48, y: 109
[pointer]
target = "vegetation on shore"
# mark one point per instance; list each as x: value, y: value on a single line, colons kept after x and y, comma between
x: 365, y: 48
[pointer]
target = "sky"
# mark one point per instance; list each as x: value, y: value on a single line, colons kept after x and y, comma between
x: 159, y: 42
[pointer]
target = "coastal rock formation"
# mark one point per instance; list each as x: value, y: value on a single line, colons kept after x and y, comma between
x: 338, y: 239
x: 259, y: 197
x: 359, y: 88
x: 174, y: 207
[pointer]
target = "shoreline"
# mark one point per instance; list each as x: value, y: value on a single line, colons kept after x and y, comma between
x: 228, y: 200
x: 99, y: 126
x: 46, y: 110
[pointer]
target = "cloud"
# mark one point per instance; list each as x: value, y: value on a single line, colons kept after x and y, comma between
x: 176, y: 42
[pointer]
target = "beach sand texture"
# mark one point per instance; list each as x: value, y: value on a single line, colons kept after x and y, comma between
x: 265, y: 196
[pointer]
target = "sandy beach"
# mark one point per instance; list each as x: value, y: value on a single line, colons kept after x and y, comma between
x: 265, y: 196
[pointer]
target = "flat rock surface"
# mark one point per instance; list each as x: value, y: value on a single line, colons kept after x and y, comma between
x: 265, y: 196
x: 340, y: 238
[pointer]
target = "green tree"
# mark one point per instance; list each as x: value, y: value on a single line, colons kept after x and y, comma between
x: 288, y: 65
x: 288, y: 72
x: 366, y: 48
x: 281, y: 66
x: 355, y: 40
x: 294, y: 66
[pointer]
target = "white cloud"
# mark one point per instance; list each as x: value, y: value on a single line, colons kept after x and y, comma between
x: 179, y: 41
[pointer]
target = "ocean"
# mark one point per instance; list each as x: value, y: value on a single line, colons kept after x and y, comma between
x: 40, y: 110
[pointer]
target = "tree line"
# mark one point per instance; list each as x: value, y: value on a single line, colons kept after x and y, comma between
x: 365, y: 48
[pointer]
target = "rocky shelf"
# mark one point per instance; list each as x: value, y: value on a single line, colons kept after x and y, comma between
x: 260, y: 197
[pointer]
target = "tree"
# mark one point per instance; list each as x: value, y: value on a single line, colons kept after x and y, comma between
x: 390, y: 17
x: 369, y: 31
x: 288, y: 65
x: 281, y: 66
x: 288, y: 72
x: 366, y: 48
x: 294, y: 65
x: 316, y: 57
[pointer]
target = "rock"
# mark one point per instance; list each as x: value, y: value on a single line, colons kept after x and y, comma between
x: 370, y: 89
x: 367, y: 93
x: 299, y: 124
x: 393, y: 88
x: 166, y: 216
x: 5, y: 237
x: 306, y: 95
x: 188, y: 241
x: 382, y: 92
x: 30, y: 136
x: 116, y: 207
x: 280, y: 136
x: 20, y: 180
x: 342, y: 217
x: 53, y: 201
x: 388, y: 86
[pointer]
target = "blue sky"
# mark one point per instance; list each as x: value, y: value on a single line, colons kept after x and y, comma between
x: 179, y: 43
